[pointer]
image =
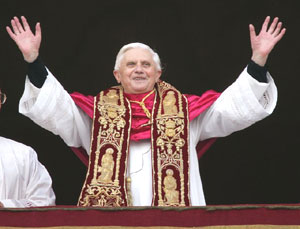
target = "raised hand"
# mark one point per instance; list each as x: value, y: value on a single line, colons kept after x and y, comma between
x: 28, y: 43
x: 263, y: 43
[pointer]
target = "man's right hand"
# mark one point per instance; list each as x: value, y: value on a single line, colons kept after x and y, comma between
x: 28, y: 43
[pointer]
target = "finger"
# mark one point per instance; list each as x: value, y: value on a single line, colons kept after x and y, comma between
x: 277, y: 30
x: 273, y: 25
x: 18, y: 24
x: 10, y: 33
x: 25, y: 23
x: 265, y: 24
x: 14, y: 27
x: 280, y: 35
x: 252, y: 32
x: 38, y: 30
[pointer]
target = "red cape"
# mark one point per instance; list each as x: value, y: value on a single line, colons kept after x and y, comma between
x: 197, y: 104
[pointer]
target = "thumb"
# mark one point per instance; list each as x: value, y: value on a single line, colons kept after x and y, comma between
x: 252, y: 32
x: 38, y: 31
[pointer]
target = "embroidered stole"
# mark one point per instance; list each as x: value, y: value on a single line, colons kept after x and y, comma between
x: 106, y: 184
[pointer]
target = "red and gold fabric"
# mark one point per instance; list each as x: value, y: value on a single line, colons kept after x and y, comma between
x: 196, y: 105
x: 106, y: 182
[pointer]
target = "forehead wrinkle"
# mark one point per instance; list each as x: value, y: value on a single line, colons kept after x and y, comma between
x: 144, y: 56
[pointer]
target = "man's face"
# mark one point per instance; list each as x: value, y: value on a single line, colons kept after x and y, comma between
x: 137, y: 73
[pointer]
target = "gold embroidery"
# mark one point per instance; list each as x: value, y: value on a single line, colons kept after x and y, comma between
x: 111, y: 97
x: 169, y: 104
x: 104, y: 189
x: 170, y: 129
x: 107, y: 166
x: 103, y: 196
x: 129, y: 194
x: 142, y: 103
x: 170, y: 186
x: 106, y: 184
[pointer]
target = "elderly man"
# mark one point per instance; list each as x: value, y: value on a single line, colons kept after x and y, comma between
x: 141, y: 136
x: 24, y: 181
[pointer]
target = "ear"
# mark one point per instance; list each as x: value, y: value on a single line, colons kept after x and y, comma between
x: 117, y: 76
x: 158, y: 76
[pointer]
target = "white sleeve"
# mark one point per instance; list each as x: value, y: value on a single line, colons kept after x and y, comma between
x: 242, y: 104
x: 52, y: 108
x: 33, y: 184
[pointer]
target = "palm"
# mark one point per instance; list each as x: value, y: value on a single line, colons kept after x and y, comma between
x: 27, y: 42
x: 263, y: 43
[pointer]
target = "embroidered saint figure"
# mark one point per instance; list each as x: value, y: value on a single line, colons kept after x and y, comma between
x: 169, y: 104
x: 170, y: 186
x: 107, y: 167
x: 111, y: 97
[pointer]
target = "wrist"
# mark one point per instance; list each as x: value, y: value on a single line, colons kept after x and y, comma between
x: 259, y: 59
x: 1, y: 205
x: 31, y: 57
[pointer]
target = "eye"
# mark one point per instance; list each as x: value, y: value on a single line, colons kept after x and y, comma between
x: 131, y: 64
x: 146, y: 64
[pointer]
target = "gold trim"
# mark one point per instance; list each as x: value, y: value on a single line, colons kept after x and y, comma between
x: 128, y: 195
x: 188, y: 147
x: 103, y: 191
x: 152, y: 147
x: 142, y: 103
x: 92, y: 139
x: 171, y: 141
x: 170, y: 123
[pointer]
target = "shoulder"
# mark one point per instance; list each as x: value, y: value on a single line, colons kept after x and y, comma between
x: 8, y: 145
x: 86, y: 103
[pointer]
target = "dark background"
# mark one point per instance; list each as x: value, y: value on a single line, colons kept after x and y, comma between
x: 202, y: 44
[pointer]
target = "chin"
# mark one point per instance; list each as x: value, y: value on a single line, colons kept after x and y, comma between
x: 139, y: 90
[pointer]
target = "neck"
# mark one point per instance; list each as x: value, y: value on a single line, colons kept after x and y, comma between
x: 139, y: 97
x: 141, y: 101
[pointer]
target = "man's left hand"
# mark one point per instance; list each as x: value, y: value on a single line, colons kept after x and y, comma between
x: 263, y: 43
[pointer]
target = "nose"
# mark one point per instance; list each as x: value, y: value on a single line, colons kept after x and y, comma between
x: 138, y: 69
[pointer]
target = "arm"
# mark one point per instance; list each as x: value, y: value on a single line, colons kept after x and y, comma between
x: 31, y: 184
x: 249, y: 99
x: 44, y: 99
x: 242, y: 104
x: 52, y: 108
x: 37, y: 72
x: 257, y: 72
x: 39, y: 190
x: 262, y: 45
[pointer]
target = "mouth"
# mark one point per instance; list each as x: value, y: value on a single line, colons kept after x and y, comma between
x: 139, y: 78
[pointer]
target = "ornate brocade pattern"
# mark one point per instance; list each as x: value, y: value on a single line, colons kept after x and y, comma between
x: 106, y: 186
x: 170, y: 149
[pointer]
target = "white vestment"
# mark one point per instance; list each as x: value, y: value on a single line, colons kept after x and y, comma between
x: 245, y: 102
x: 24, y: 181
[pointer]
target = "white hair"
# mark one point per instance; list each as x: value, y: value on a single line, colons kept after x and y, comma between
x: 127, y: 47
